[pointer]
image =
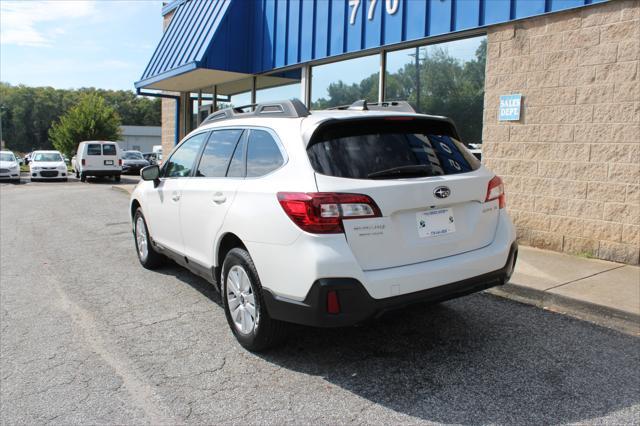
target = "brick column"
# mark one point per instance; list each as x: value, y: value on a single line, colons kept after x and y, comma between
x: 572, y: 164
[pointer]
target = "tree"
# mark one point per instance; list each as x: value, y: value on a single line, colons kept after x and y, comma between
x: 90, y: 119
x: 29, y: 112
x: 448, y: 86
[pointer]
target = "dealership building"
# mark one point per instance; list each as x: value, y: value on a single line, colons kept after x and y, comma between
x: 550, y: 88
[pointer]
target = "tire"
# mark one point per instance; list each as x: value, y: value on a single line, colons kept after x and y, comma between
x: 77, y: 174
x: 116, y: 178
x: 83, y: 177
x: 149, y: 258
x: 264, y: 333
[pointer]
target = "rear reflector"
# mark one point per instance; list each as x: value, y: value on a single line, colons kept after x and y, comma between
x: 333, y: 304
x: 495, y: 190
x: 84, y: 162
x: 323, y: 212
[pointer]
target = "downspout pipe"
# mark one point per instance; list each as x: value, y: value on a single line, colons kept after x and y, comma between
x: 166, y: 96
x: 176, y: 98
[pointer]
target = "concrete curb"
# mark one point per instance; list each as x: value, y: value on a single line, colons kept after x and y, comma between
x: 626, y: 322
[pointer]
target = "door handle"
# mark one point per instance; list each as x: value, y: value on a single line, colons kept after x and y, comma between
x: 176, y: 197
x: 219, y: 198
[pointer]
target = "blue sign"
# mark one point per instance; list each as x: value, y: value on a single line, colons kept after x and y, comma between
x: 510, y: 107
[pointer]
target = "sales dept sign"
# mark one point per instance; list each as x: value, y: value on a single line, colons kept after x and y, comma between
x: 510, y: 107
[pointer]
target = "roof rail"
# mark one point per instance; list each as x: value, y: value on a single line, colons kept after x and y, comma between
x: 291, y: 108
x: 363, y: 105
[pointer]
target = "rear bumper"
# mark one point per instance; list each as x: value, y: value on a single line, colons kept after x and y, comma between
x: 102, y: 172
x: 132, y: 168
x: 356, y: 305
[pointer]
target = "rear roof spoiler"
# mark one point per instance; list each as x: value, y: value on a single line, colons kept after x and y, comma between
x: 441, y: 125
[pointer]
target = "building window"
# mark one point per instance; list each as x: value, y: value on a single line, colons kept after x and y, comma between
x: 442, y: 79
x: 277, y: 87
x: 342, y: 83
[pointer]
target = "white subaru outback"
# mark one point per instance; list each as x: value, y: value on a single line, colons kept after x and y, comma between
x: 324, y: 218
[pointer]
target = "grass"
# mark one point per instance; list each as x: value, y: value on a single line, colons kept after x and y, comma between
x: 586, y: 254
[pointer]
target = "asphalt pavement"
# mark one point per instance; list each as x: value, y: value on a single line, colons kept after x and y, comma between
x: 89, y: 336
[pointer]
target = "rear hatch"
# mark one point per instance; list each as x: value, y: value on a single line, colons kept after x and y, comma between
x: 430, y: 189
x: 102, y: 156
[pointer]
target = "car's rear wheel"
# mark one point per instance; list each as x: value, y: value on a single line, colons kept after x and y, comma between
x: 77, y: 175
x: 147, y: 255
x: 83, y: 177
x: 244, y: 306
x: 116, y: 178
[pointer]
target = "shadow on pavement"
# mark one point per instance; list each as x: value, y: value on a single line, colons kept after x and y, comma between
x: 478, y: 359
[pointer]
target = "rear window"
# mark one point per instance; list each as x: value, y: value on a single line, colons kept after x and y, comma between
x: 381, y: 149
x: 109, y: 149
x: 94, y: 149
x: 132, y: 155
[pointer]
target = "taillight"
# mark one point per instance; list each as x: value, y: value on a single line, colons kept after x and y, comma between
x: 120, y: 162
x: 84, y: 161
x: 495, y: 190
x: 323, y: 212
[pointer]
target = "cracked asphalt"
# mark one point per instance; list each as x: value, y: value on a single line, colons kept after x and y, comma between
x: 88, y: 336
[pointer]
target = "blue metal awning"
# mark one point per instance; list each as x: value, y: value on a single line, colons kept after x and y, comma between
x: 210, y: 42
x: 184, y: 44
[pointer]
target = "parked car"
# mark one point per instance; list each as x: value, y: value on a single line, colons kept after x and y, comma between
x: 324, y: 218
x: 133, y: 162
x: 151, y: 157
x: 47, y: 165
x: 98, y: 158
x: 9, y: 167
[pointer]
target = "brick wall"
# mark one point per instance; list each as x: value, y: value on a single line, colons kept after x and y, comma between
x: 168, y: 111
x: 168, y: 125
x: 572, y: 163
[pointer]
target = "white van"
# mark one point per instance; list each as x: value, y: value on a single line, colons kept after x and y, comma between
x: 98, y: 158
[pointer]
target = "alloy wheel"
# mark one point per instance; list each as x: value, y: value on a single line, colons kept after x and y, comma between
x: 241, y: 300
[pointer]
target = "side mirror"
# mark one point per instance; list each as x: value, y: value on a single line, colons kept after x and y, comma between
x: 151, y: 173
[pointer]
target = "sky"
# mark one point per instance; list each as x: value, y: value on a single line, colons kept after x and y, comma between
x: 71, y: 44
x: 107, y: 44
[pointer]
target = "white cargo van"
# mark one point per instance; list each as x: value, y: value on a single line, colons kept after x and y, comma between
x: 98, y: 158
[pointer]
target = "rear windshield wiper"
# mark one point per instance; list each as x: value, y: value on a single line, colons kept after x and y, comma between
x: 410, y: 170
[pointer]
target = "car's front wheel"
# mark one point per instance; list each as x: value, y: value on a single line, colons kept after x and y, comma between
x: 147, y: 255
x: 244, y: 306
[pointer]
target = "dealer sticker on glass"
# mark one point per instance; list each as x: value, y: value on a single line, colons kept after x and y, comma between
x: 433, y: 223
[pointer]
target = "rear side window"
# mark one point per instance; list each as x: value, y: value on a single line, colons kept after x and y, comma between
x: 216, y: 155
x: 263, y: 154
x: 94, y: 149
x: 109, y: 149
x: 381, y: 149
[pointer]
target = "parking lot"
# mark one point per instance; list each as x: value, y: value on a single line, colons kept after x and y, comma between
x: 88, y: 336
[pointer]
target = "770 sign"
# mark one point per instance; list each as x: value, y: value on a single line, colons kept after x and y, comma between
x: 390, y: 5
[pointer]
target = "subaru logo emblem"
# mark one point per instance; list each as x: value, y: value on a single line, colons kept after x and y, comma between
x: 442, y: 192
